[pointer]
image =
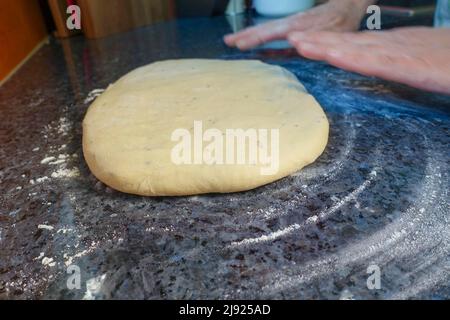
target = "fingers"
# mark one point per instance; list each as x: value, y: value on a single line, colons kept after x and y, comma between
x: 329, y: 37
x: 401, y: 55
x: 274, y: 30
x: 375, y: 55
x: 255, y: 36
x: 417, y: 37
x: 313, y: 43
x: 319, y: 18
x: 353, y: 53
x: 333, y: 15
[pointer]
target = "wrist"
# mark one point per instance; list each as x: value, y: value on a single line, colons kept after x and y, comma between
x: 354, y: 7
x: 360, y: 4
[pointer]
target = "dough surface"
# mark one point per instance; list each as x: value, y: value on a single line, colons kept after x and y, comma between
x: 128, y: 130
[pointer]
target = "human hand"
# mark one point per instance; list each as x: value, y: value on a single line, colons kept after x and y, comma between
x: 416, y: 56
x: 335, y: 15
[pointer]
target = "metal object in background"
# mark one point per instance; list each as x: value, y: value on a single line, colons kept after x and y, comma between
x: 442, y: 17
x: 408, y: 12
x: 235, y: 7
x: 237, y: 22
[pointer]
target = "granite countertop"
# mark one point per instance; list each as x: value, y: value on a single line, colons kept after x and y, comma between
x: 377, y: 196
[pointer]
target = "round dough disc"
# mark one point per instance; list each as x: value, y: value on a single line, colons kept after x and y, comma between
x: 128, y: 130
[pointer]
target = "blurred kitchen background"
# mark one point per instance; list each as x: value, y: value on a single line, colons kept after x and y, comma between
x: 27, y: 24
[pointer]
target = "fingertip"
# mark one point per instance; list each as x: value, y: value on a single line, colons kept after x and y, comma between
x: 229, y: 39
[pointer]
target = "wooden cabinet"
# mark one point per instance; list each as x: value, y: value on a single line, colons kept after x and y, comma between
x: 100, y: 18
x: 22, y: 30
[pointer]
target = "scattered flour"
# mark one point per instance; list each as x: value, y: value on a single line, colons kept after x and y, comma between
x: 47, y: 160
x: 43, y: 179
x: 60, y: 161
x: 66, y: 173
x: 46, y: 227
x: 92, y: 95
x: 64, y: 230
x: 48, y: 262
x: 93, y: 287
x: 64, y: 126
x: 41, y: 255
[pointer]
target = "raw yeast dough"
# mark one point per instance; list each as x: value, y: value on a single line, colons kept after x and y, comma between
x: 183, y: 127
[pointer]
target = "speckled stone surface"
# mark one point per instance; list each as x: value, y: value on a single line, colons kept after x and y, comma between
x: 377, y: 196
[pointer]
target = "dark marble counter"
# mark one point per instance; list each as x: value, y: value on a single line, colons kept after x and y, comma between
x: 377, y: 196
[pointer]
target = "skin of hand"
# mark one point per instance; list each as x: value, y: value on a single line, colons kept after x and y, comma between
x: 415, y: 56
x: 334, y: 15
